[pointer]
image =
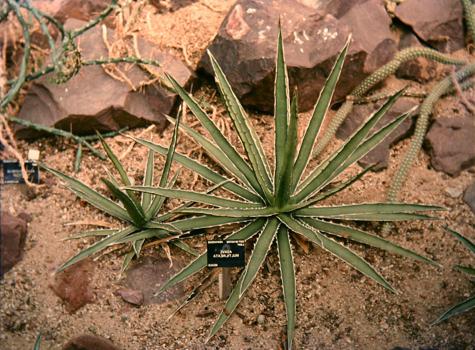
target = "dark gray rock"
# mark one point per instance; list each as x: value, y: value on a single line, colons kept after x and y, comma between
x: 89, y: 342
x: 379, y: 155
x: 93, y: 100
x: 469, y: 196
x: 419, y: 69
x: 148, y: 275
x: 437, y: 22
x: 13, y: 232
x: 245, y: 46
x: 451, y: 144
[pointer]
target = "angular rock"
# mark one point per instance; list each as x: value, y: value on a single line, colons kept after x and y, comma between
x: 148, y: 275
x: 63, y: 10
x: 379, y: 155
x: 93, y: 100
x: 13, y: 231
x: 132, y: 296
x: 245, y: 46
x: 419, y: 69
x: 469, y: 196
x: 451, y: 144
x: 89, y: 342
x: 437, y: 22
x: 73, y: 285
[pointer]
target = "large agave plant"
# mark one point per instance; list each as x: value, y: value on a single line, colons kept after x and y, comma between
x: 468, y: 303
x: 136, y: 212
x: 279, y: 203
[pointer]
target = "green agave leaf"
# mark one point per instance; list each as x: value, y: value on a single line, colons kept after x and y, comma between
x: 233, y: 213
x: 337, y: 249
x: 285, y: 177
x: 115, y: 161
x: 365, y: 208
x: 174, y: 212
x: 37, y: 342
x: 205, y: 172
x: 200, y: 222
x: 323, y: 173
x: 288, y: 280
x: 196, y: 197
x: 365, y: 238
x: 92, y: 197
x: 381, y: 217
x: 92, y: 233
x: 334, y: 190
x: 217, y: 136
x: 236, y: 294
x: 371, y: 142
x: 281, y: 114
x: 158, y: 200
x: 196, y: 265
x: 98, y: 246
x: 145, y: 234
x: 465, y: 241
x: 457, y: 309
x: 215, y: 153
x: 126, y: 262
x: 135, y: 211
x: 259, y: 253
x: 119, y: 167
x: 200, y: 287
x: 466, y: 269
x: 148, y: 180
x: 233, y: 301
x: 246, y: 133
x: 319, y: 112
x: 185, y: 247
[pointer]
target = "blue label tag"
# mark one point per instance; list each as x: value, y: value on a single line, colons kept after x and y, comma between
x: 12, y: 172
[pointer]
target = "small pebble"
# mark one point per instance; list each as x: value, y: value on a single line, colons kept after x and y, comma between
x: 261, y: 319
x: 453, y: 192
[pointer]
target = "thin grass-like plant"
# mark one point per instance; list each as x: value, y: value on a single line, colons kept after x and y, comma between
x: 139, y: 213
x: 280, y: 203
x: 468, y: 303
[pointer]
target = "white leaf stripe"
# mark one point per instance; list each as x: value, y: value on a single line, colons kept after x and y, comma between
x: 204, y: 171
x: 319, y: 112
x: 196, y: 197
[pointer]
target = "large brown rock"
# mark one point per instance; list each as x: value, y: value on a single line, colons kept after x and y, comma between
x: 73, y: 285
x: 245, y: 46
x: 379, y: 155
x: 419, y: 69
x: 437, y: 22
x: 62, y: 10
x: 93, y: 100
x: 89, y: 342
x: 13, y: 231
x: 451, y: 144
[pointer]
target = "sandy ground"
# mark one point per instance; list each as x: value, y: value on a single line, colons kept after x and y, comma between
x: 337, y: 308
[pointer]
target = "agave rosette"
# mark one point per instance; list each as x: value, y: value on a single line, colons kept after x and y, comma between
x: 277, y: 203
x: 139, y: 214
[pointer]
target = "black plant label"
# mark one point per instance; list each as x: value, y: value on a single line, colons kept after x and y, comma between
x: 12, y: 172
x: 226, y: 253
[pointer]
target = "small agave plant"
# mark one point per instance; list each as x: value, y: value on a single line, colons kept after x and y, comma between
x: 137, y: 212
x: 469, y: 303
x: 279, y: 204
